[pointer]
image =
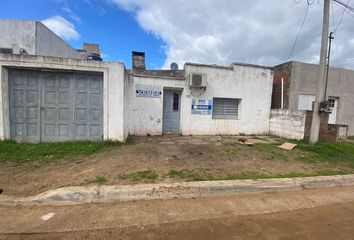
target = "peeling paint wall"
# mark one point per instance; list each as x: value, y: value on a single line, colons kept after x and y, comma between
x: 145, y: 114
x: 253, y: 85
x: 18, y: 34
x: 113, y: 88
x: 287, y: 123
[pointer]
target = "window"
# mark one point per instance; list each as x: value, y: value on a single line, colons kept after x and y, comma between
x: 305, y: 102
x: 175, y: 101
x: 332, y: 102
x: 225, y: 108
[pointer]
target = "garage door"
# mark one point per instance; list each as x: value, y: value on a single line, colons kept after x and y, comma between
x: 53, y: 107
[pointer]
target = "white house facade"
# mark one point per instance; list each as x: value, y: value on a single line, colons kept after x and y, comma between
x: 45, y: 99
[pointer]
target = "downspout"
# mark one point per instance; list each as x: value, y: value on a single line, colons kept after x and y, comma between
x: 282, y: 93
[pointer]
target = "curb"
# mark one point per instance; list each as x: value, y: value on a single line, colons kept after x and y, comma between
x: 96, y: 194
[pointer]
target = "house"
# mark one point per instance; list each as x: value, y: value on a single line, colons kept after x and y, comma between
x: 47, y: 95
x: 294, y: 88
x: 34, y: 38
x: 199, y: 100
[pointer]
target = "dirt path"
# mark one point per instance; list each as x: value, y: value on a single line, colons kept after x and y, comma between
x: 310, y: 214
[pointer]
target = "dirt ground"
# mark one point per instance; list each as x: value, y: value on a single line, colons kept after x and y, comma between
x: 326, y: 213
x: 208, y: 156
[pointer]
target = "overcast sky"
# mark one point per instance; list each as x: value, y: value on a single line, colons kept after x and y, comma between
x: 257, y: 31
x: 203, y: 31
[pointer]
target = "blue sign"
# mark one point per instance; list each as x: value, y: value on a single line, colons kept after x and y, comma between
x: 201, y: 106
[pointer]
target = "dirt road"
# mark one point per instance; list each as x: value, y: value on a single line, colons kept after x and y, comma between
x: 326, y: 213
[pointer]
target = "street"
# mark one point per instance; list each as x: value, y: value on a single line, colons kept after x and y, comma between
x: 326, y: 213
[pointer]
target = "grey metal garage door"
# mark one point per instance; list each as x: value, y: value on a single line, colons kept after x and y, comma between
x: 55, y: 106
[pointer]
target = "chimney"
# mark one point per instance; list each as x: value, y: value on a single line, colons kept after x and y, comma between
x: 138, y: 60
x: 92, y: 48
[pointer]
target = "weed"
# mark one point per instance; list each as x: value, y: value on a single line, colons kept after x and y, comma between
x: 146, y: 176
x: 201, y: 176
x: 232, y: 152
x: 188, y: 175
x: 271, y: 151
x: 99, y: 180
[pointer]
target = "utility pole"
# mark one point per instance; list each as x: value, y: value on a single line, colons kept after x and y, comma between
x: 316, y: 116
x: 328, y: 59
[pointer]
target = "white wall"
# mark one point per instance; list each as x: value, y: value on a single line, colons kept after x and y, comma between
x: 18, y: 34
x: 145, y: 114
x: 251, y: 84
x: 113, y: 87
x: 287, y: 123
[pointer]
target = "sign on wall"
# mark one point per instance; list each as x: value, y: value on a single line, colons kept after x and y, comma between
x: 148, y: 91
x: 201, y: 106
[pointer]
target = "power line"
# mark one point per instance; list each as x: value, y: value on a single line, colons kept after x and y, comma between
x: 345, y: 5
x: 341, y: 19
x: 298, y: 33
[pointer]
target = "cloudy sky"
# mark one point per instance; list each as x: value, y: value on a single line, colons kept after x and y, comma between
x: 204, y: 31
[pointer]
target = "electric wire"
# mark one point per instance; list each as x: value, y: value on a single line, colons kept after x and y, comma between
x: 299, y: 31
x: 341, y: 19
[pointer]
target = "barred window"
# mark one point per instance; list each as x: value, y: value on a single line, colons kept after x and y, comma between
x: 225, y: 108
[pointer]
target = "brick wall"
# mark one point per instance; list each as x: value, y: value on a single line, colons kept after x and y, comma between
x: 323, y: 126
x: 281, y: 71
x: 287, y: 123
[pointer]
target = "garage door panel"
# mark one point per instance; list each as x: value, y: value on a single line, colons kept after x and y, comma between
x: 24, y: 105
x: 95, y: 115
x: 50, y: 97
x: 80, y: 131
x: 32, y: 129
x: 32, y: 97
x: 64, y: 130
x: 50, y: 114
x: 52, y: 106
x: 49, y: 130
x: 65, y: 114
x: 32, y: 80
x: 18, y: 96
x: 65, y: 81
x: 31, y: 113
x: 65, y: 98
x: 80, y: 115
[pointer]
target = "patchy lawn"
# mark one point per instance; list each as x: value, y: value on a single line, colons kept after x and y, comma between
x: 27, y: 169
x: 22, y: 153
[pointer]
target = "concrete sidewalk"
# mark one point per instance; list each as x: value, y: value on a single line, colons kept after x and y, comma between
x: 96, y: 194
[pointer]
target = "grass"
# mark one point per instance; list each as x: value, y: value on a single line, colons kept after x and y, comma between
x: 187, y: 175
x: 20, y: 153
x: 232, y: 152
x: 198, y: 175
x: 271, y: 151
x: 331, y: 152
x: 99, y: 180
x: 146, y: 176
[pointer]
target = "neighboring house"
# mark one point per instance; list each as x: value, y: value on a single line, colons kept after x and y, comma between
x: 34, y: 38
x: 298, y: 81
